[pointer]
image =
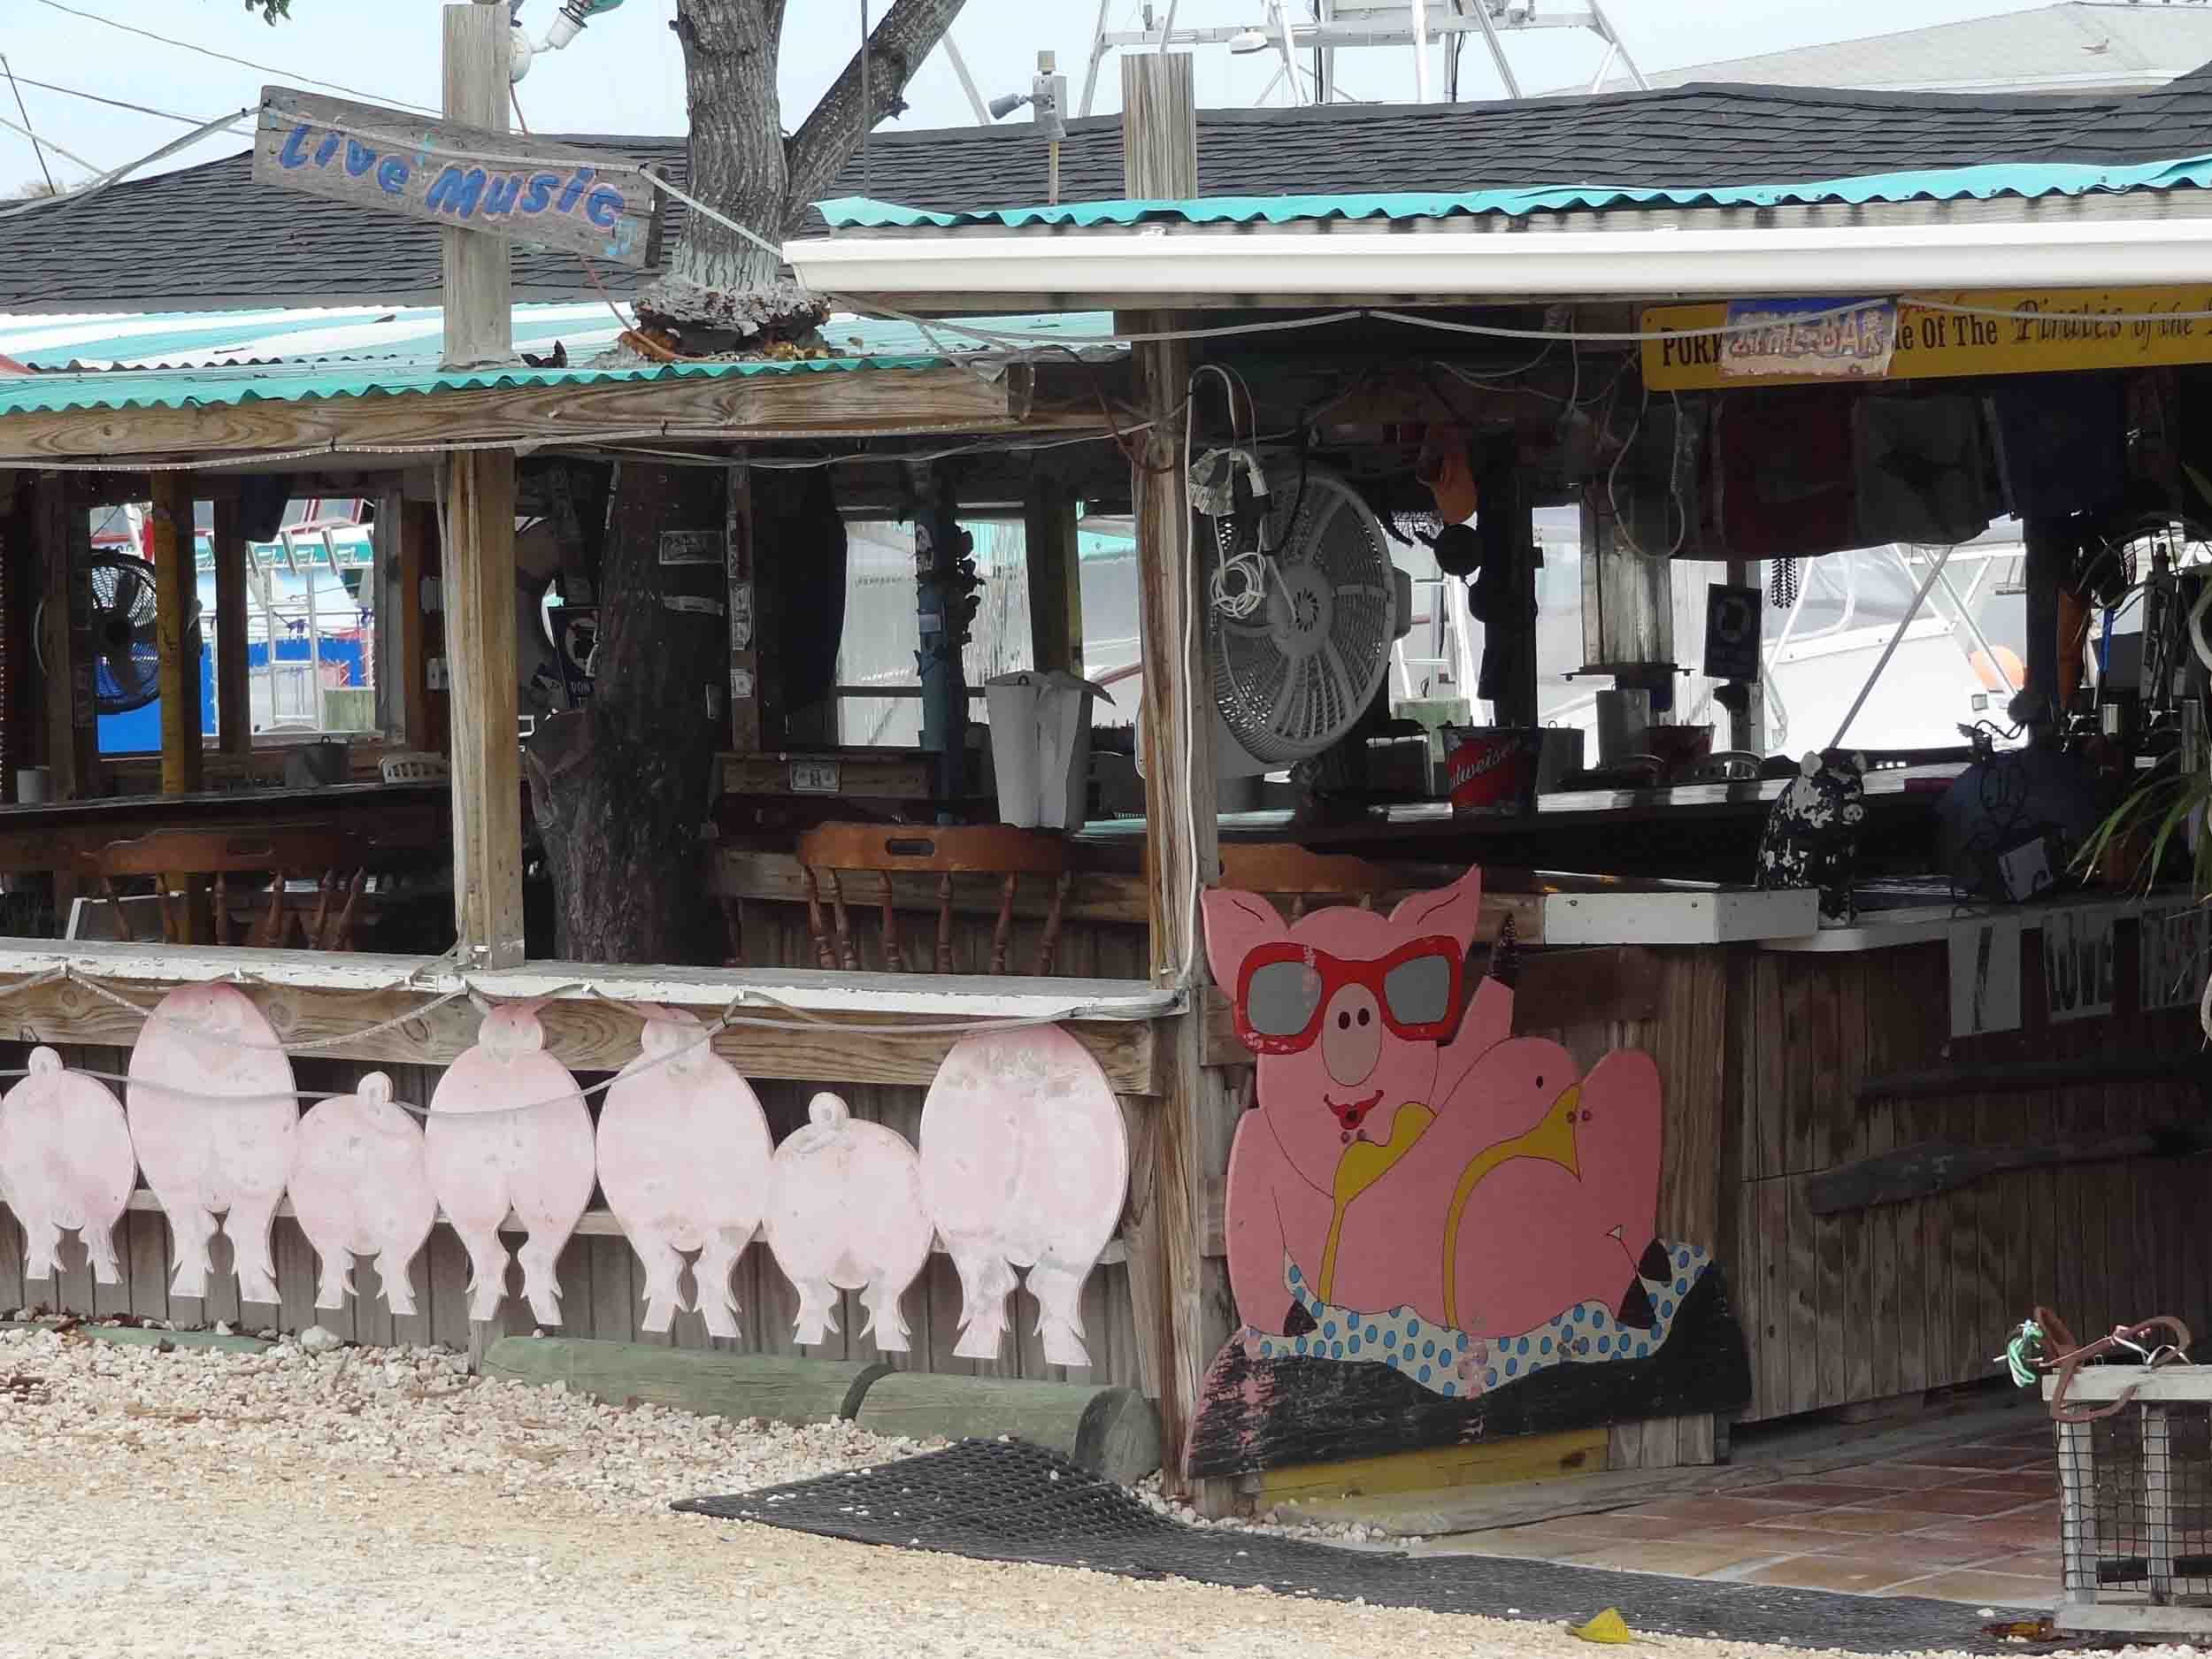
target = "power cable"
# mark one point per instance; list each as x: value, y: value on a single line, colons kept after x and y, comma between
x: 120, y: 103
x: 242, y: 63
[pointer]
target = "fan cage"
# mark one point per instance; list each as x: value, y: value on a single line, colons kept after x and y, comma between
x: 1279, y: 707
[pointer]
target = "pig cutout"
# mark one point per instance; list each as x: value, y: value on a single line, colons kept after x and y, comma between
x: 844, y: 1213
x: 1401, y: 1157
x: 485, y: 1158
x: 65, y: 1160
x: 684, y: 1151
x: 1025, y: 1164
x: 211, y: 1112
x: 360, y: 1186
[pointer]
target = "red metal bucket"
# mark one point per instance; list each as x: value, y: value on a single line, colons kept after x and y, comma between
x: 1490, y: 771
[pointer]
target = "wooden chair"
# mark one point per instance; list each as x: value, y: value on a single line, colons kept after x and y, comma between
x: 1283, y: 870
x: 335, y: 861
x: 829, y: 851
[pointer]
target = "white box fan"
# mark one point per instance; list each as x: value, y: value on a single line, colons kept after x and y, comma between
x: 1299, y: 631
x: 1296, y: 664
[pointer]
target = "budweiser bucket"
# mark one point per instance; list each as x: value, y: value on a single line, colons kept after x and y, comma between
x: 1490, y: 771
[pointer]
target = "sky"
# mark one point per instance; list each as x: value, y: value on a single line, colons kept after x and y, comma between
x: 626, y: 73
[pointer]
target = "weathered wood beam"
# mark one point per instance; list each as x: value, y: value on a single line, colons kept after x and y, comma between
x: 176, y: 591
x: 480, y: 607
x: 1049, y: 547
x: 233, y: 701
x: 64, y: 537
x: 1186, y: 1139
x: 584, y: 1036
x: 704, y: 405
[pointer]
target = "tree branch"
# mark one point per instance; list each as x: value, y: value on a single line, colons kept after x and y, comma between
x: 817, y: 152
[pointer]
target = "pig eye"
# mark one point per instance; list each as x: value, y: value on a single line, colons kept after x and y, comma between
x: 1281, y: 998
x: 1364, y: 1016
x: 1418, y: 991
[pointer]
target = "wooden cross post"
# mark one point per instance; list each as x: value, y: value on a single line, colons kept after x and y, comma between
x: 480, y: 540
x: 1179, y: 1294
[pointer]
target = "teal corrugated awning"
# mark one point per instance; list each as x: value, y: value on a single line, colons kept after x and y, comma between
x: 180, y: 360
x: 2026, y: 180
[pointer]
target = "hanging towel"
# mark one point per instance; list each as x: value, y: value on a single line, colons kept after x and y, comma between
x: 1782, y: 472
x: 2062, y: 443
x: 1921, y: 477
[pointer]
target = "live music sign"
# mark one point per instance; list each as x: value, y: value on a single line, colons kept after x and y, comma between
x: 468, y: 178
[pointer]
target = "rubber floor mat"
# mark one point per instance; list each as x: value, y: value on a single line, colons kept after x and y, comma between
x: 1008, y: 1501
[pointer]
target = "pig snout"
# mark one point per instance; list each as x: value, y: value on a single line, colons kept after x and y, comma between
x: 1351, y: 1034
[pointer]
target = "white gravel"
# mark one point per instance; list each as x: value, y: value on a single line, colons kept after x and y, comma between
x: 381, y: 1503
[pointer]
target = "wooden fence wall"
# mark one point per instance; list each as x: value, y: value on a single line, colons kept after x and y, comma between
x: 1903, y: 1298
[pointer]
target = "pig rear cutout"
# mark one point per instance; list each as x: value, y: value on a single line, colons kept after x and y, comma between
x: 844, y: 1213
x: 360, y: 1186
x: 1425, y: 1213
x: 66, y: 1161
x: 485, y: 1158
x: 1025, y: 1164
x: 683, y: 1159
x: 212, y: 1112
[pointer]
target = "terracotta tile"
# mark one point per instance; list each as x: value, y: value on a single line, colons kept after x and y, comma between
x: 1861, y: 1522
x: 1616, y: 1523
x: 2033, y: 1562
x: 1898, y: 1476
x: 1950, y: 1501
x: 2005, y: 1535
x: 1717, y: 1511
x: 1819, y: 1495
x: 1760, y: 1542
x: 1827, y: 1573
x: 1680, y: 1560
x: 1984, y: 1588
x: 1969, y: 1457
x: 1548, y: 1544
x: 2024, y: 1482
x: 1918, y: 1553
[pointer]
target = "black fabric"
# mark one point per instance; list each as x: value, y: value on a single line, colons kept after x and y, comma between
x: 1006, y: 1500
x: 2062, y: 443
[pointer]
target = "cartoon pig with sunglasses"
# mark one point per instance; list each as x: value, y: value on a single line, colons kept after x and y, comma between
x: 1404, y: 1157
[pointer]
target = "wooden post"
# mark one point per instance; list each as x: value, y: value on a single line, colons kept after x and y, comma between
x: 479, y: 280
x: 1184, y: 1135
x: 749, y: 723
x: 1049, y: 547
x: 176, y: 592
x: 1747, y: 729
x: 2158, y: 1502
x: 480, y: 607
x: 2079, y: 1544
x: 421, y: 632
x: 1506, y: 527
x: 233, y: 699
x: 479, y: 550
x: 64, y: 538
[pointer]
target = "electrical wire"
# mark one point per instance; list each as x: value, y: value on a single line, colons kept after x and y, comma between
x: 242, y: 63
x: 135, y: 109
x: 86, y: 192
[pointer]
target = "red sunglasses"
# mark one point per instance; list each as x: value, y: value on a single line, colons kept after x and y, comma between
x: 1284, y: 989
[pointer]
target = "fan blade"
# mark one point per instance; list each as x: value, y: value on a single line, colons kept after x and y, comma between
x: 1330, y: 663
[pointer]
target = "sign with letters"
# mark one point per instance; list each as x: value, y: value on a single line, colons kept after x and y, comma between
x: 2054, y: 330
x: 2078, y: 962
x: 468, y: 178
x: 2173, y: 946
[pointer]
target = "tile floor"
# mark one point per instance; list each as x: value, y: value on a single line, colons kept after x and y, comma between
x: 1974, y: 1521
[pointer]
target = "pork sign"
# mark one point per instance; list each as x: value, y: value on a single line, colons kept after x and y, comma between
x: 466, y: 177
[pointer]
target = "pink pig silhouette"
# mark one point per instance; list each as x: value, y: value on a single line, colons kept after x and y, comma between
x: 1396, y: 1162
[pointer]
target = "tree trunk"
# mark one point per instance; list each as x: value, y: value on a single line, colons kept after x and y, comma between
x: 721, y: 290
x: 621, y: 789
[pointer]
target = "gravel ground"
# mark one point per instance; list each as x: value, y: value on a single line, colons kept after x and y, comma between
x: 380, y: 1502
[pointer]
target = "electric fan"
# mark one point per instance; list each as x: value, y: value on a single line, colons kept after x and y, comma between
x: 1296, y: 665
x: 128, y: 662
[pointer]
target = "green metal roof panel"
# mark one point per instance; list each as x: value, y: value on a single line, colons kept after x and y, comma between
x: 176, y: 360
x: 186, y: 388
x: 2028, y: 181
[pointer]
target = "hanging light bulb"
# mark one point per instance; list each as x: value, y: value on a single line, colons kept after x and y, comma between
x: 568, y: 23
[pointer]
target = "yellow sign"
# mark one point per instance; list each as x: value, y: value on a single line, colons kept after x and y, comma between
x: 2005, y: 331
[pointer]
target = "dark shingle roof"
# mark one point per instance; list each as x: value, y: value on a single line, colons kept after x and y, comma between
x: 208, y: 236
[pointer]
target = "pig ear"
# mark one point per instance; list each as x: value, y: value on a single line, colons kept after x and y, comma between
x: 1453, y: 911
x: 1236, y: 925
